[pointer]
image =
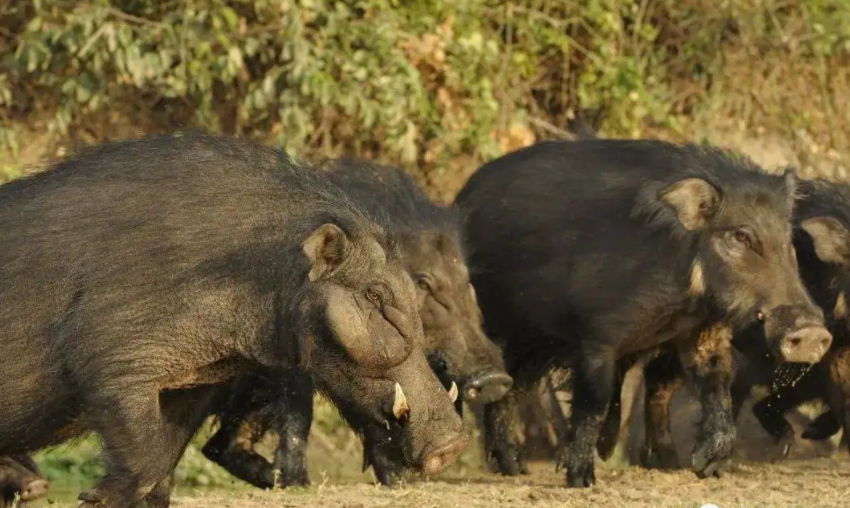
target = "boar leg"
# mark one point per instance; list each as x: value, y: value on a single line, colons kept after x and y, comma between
x: 770, y: 411
x: 160, y: 496
x: 610, y: 432
x: 295, y: 416
x: 501, y: 442
x: 740, y: 390
x: 839, y: 388
x: 240, y: 426
x: 287, y: 411
x: 823, y: 427
x: 140, y: 453
x: 383, y: 455
x: 662, y: 376
x: 708, y: 362
x: 231, y: 448
x: 594, y: 378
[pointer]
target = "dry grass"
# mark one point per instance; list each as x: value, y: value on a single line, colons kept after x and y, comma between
x: 822, y: 483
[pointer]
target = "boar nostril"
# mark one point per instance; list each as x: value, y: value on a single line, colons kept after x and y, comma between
x: 437, y: 460
x: 35, y: 490
x: 806, y: 345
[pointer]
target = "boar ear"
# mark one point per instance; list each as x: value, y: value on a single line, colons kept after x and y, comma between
x: 830, y: 237
x: 326, y: 247
x: 791, y: 187
x: 694, y: 200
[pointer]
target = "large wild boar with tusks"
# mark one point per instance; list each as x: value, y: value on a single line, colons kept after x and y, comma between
x: 140, y: 277
x: 459, y: 352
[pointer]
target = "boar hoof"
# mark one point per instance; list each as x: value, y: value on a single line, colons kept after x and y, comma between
x: 659, y: 457
x: 781, y: 432
x: 295, y: 478
x: 823, y: 427
x: 581, y: 476
x: 509, y: 462
x: 388, y: 470
x: 388, y: 477
x: 783, y: 436
x: 562, y: 460
x: 92, y: 498
x: 605, y: 448
x: 786, y: 449
x: 711, y: 455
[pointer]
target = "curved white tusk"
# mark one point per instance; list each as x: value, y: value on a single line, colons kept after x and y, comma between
x: 400, y: 407
x: 453, y: 392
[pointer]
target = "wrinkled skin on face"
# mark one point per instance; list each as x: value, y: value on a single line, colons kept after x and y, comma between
x: 748, y: 264
x: 455, y: 341
x: 367, y: 354
x: 458, y: 351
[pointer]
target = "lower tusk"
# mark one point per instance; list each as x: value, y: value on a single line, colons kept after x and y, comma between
x: 453, y: 392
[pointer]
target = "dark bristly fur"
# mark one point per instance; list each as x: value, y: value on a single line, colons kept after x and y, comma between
x: 586, y: 254
x: 138, y: 276
x: 828, y: 281
x: 429, y: 238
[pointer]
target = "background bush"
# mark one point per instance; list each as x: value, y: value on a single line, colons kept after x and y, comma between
x: 425, y: 83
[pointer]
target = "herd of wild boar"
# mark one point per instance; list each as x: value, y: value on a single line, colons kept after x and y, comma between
x: 152, y: 283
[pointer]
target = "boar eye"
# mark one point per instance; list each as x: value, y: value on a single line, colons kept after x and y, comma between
x: 373, y: 296
x: 379, y: 295
x: 422, y: 282
x: 742, y: 237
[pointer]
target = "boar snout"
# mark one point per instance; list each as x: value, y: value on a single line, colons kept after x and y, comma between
x: 487, y: 387
x: 34, y: 489
x: 438, y: 457
x: 806, y: 345
x: 799, y: 333
x: 432, y: 434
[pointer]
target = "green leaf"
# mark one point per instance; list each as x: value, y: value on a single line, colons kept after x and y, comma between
x: 231, y: 17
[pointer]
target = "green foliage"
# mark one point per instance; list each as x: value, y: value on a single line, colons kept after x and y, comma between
x: 196, y: 471
x: 415, y: 81
x: 74, y: 467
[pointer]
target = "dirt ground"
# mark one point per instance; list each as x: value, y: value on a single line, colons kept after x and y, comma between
x: 814, y: 474
x: 794, y: 484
